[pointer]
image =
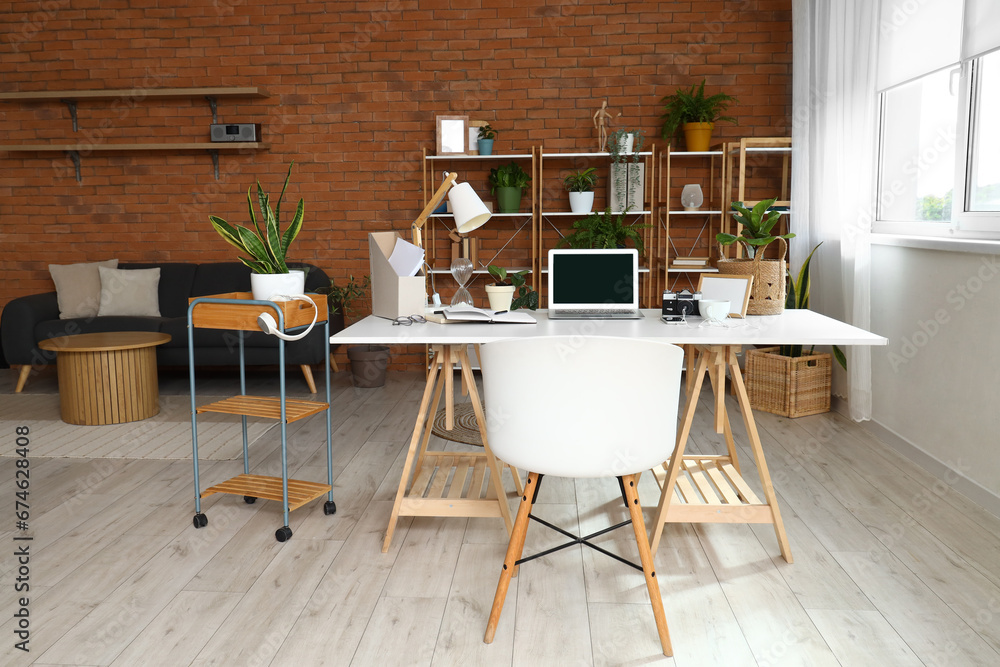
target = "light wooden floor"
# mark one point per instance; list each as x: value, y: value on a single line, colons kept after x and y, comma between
x: 891, y: 568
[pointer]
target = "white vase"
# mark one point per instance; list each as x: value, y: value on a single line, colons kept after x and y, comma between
x: 625, y: 144
x: 691, y: 197
x: 500, y: 296
x: 266, y: 285
x: 581, y: 202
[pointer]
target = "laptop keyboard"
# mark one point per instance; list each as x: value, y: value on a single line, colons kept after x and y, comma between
x: 594, y: 313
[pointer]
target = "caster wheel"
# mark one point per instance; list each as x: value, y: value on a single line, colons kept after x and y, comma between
x: 249, y: 500
x: 283, y: 534
x: 329, y: 507
x: 200, y: 520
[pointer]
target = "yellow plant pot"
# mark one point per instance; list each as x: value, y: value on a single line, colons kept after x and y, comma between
x: 698, y: 136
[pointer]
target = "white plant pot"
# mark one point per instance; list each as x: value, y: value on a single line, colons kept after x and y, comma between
x: 625, y: 144
x: 581, y: 202
x: 266, y: 285
x: 500, y: 296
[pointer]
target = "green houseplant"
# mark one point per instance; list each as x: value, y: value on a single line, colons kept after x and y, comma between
x: 767, y: 295
x: 507, y: 182
x: 485, y: 139
x: 604, y: 230
x: 502, y: 295
x: 580, y: 185
x: 265, y: 244
x: 625, y: 174
x: 696, y: 114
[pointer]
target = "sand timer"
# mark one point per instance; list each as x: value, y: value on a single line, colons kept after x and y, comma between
x: 461, y: 271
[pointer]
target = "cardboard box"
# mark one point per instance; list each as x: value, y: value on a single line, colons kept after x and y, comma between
x: 392, y: 295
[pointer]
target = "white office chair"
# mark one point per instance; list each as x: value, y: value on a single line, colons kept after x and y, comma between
x: 578, y: 406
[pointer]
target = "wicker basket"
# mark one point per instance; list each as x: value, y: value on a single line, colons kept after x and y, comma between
x: 788, y: 386
x: 767, y: 296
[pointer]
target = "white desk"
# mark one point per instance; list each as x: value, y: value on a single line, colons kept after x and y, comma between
x: 715, y: 348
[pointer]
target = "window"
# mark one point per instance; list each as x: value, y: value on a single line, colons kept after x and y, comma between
x: 939, y: 142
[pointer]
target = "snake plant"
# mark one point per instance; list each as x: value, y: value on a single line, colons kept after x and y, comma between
x: 265, y: 244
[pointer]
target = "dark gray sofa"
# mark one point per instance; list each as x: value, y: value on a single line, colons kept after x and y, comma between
x: 27, y: 320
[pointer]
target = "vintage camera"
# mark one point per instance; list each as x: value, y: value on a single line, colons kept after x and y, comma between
x: 679, y: 305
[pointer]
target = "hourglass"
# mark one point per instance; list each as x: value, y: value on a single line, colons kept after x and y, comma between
x: 461, y: 271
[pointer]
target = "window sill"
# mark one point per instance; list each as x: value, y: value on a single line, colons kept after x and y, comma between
x: 978, y: 246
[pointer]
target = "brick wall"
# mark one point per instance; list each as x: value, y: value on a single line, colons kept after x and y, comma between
x: 355, y: 87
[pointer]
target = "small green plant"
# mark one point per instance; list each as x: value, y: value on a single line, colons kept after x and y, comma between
x: 524, y: 295
x: 346, y: 296
x: 265, y: 244
x: 604, y: 230
x: 581, y: 181
x: 757, y: 225
x: 691, y: 106
x: 487, y: 132
x: 508, y: 176
x: 798, y: 297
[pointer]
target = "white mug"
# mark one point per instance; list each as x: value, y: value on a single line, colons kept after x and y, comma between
x: 712, y: 309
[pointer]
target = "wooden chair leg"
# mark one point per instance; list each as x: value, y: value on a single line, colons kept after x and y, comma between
x: 22, y: 378
x: 333, y: 364
x: 646, y: 558
x: 307, y: 371
x: 514, y: 549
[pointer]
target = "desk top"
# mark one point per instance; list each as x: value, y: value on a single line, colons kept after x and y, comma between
x: 793, y: 327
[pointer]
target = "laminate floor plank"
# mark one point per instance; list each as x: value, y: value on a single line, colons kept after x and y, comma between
x: 862, y: 638
x: 414, y: 623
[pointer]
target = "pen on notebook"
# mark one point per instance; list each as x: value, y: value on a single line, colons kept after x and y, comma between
x: 500, y: 312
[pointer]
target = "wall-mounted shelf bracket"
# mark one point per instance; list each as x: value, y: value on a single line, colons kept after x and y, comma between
x: 75, y: 157
x: 215, y: 162
x: 72, y: 112
x: 215, y: 111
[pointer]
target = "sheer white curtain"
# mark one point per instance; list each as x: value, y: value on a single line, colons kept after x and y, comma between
x: 833, y: 179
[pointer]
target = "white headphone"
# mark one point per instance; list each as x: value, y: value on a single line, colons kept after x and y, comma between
x: 267, y: 324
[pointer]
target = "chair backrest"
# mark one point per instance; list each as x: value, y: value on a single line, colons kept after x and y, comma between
x: 581, y: 406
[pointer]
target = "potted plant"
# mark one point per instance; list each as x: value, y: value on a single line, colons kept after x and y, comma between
x: 501, y: 293
x: 604, y: 230
x: 696, y: 114
x: 625, y: 174
x: 580, y: 185
x: 485, y: 140
x: 266, y: 245
x: 768, y: 292
x: 788, y: 380
x: 507, y: 182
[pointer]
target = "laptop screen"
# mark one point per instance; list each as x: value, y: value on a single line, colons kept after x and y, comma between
x: 593, y: 279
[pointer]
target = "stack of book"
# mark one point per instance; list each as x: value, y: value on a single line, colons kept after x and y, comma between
x: 689, y: 263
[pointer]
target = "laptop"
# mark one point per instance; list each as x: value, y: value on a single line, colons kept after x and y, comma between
x: 587, y: 284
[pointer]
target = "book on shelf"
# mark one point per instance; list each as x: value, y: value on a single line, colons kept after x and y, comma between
x: 690, y: 261
x: 464, y: 313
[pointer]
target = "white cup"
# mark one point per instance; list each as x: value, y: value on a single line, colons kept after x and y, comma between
x: 712, y: 309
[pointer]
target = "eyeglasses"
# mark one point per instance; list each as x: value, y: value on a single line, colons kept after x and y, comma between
x: 409, y: 319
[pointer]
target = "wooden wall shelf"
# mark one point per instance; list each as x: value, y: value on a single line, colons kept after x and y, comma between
x: 139, y: 93
x: 107, y: 148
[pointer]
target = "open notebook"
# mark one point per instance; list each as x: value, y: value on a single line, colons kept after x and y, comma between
x: 463, y: 313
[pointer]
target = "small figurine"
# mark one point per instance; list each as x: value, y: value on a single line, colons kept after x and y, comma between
x: 602, y: 121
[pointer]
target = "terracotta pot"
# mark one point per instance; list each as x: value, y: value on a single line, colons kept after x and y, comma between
x: 698, y: 136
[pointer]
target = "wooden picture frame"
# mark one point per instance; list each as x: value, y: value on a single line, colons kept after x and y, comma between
x: 474, y: 126
x: 452, y: 135
x: 732, y: 288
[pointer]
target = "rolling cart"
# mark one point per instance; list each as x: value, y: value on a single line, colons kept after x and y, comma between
x: 238, y: 311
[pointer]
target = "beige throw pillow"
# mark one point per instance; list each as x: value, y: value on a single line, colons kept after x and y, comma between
x: 78, y: 287
x: 129, y: 292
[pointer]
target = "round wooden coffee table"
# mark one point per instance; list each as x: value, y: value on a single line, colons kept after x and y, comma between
x: 107, y: 378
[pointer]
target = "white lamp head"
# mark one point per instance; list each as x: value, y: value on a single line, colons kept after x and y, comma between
x: 469, y: 210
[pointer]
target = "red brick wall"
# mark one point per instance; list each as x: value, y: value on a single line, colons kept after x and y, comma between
x: 355, y: 87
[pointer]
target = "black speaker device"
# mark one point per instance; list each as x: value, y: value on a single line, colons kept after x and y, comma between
x: 235, y: 131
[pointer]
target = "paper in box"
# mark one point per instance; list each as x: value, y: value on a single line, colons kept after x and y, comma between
x: 392, y: 295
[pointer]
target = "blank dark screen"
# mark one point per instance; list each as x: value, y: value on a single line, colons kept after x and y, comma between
x: 592, y: 279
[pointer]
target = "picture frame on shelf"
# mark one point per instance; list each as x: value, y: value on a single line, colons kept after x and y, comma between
x: 473, y: 139
x: 452, y: 135
x: 732, y: 288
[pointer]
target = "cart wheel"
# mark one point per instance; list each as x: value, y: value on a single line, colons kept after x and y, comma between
x: 329, y: 507
x: 283, y: 534
x: 200, y: 520
x: 249, y: 500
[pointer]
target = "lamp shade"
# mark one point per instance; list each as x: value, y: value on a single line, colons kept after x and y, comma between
x: 469, y: 210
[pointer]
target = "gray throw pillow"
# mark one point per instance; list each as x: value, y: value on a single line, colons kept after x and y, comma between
x: 78, y: 287
x: 129, y: 292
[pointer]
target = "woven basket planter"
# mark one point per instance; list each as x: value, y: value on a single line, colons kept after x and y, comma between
x: 788, y: 386
x: 767, y: 295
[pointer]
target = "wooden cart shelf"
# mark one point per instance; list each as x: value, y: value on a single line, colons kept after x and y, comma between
x: 460, y: 478
x: 708, y: 484
x: 268, y: 407
x: 269, y: 488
